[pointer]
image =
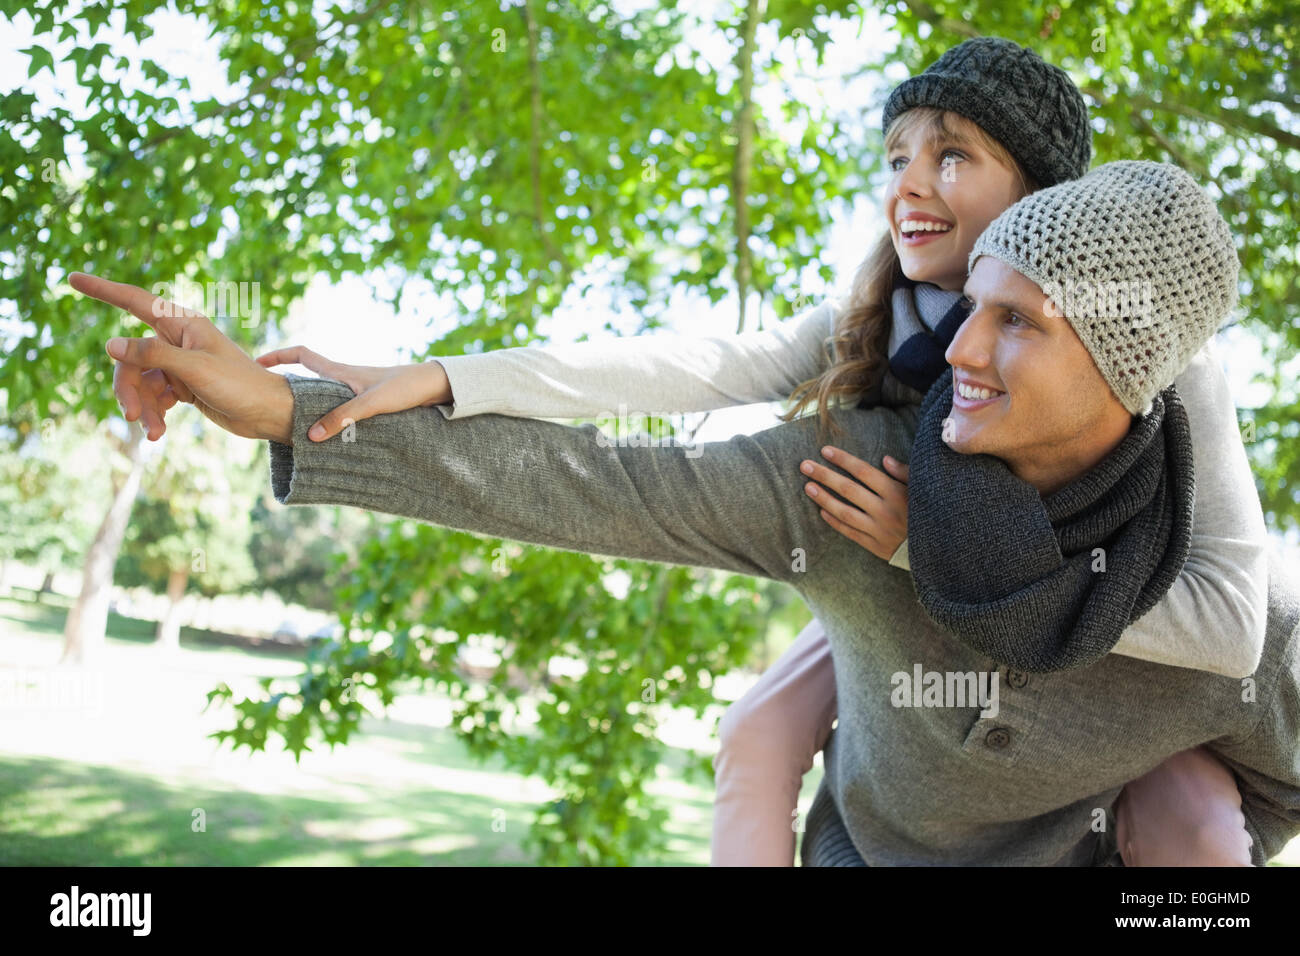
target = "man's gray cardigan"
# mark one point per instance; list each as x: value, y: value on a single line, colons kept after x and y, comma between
x: 929, y: 785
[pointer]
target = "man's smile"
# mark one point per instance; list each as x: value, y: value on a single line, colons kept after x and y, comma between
x: 970, y: 394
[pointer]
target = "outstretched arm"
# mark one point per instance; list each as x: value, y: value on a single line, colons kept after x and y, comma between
x: 655, y: 374
x: 735, y: 505
x: 642, y: 375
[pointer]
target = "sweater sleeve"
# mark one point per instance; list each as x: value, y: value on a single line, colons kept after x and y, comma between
x: 655, y: 374
x: 1266, y: 763
x: 1214, y: 616
x: 736, y: 505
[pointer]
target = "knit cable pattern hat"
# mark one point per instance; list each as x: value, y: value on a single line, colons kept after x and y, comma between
x: 1028, y: 105
x: 1137, y: 259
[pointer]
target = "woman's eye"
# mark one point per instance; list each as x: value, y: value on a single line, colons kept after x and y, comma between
x: 1012, y: 315
x: 967, y: 303
x: 950, y: 152
x: 893, y: 163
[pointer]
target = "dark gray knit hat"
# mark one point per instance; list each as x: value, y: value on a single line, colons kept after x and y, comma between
x: 1028, y: 105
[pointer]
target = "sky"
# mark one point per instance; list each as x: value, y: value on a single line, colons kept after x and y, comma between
x: 328, y: 315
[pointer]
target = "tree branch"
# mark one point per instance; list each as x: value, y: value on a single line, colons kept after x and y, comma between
x: 535, y: 136
x: 1229, y: 119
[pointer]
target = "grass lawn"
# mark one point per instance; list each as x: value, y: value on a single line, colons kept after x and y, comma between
x: 118, y: 773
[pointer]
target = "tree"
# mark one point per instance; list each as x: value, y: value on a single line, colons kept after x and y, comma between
x: 508, y: 149
x: 193, y: 524
x: 45, y: 496
x: 295, y: 550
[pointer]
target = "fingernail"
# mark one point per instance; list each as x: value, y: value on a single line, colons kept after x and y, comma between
x: 316, y: 433
x: 828, y: 452
x: 806, y: 468
x: 117, y: 348
x: 888, y: 460
x: 812, y: 490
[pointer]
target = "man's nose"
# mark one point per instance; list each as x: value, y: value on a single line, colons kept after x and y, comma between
x: 971, y: 344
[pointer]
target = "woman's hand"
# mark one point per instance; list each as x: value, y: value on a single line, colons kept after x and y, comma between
x: 188, y: 357
x: 379, y: 389
x: 1184, y: 812
x: 879, y: 522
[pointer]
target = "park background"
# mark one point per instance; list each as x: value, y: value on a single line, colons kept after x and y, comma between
x: 193, y: 674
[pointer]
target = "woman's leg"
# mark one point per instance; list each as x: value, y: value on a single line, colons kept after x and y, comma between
x: 1185, y: 812
x: 767, y: 742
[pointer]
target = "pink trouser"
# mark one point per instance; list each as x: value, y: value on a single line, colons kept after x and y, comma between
x: 768, y: 739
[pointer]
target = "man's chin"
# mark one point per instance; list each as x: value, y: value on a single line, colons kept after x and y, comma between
x: 963, y: 436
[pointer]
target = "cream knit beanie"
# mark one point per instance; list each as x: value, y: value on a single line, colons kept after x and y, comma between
x: 1137, y: 259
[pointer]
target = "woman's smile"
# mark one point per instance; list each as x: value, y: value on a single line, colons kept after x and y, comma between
x: 911, y: 239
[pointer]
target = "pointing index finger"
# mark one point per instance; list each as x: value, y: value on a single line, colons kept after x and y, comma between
x: 156, y: 312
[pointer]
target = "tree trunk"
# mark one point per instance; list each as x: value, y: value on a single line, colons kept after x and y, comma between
x: 169, y: 628
x: 83, y: 633
x: 755, y: 11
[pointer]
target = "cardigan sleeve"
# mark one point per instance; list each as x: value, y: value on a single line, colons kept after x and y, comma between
x: 644, y: 374
x: 1266, y: 763
x: 1214, y: 615
x: 736, y: 505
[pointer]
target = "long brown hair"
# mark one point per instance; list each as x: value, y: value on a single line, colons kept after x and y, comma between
x: 857, y: 351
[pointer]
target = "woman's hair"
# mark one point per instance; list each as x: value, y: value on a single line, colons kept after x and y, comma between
x: 861, y: 337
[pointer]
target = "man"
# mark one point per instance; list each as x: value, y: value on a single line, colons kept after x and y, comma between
x: 1015, y: 500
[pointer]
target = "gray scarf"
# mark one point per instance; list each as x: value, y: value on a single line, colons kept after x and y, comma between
x: 923, y: 320
x: 1014, y: 575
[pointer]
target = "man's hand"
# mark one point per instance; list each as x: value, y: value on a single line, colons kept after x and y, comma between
x: 189, y: 360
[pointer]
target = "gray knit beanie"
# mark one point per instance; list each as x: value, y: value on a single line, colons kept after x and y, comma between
x: 1137, y: 259
x: 1028, y: 105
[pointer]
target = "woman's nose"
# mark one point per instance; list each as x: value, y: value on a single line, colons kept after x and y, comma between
x: 913, y: 182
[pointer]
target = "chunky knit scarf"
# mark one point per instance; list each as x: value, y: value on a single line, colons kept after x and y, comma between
x: 1044, y: 584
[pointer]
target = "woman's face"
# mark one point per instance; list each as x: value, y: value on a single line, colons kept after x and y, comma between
x: 941, y: 197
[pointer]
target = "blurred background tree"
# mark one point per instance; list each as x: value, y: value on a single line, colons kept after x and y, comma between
x: 513, y: 155
x: 191, y: 529
x: 48, y: 497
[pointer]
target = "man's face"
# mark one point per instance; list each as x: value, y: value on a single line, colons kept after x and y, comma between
x: 1051, y: 416
x: 953, y: 184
